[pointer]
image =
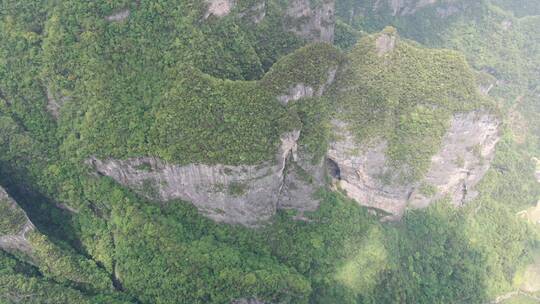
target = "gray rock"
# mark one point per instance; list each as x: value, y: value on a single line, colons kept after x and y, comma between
x: 15, y: 241
x: 256, y: 13
x: 360, y: 171
x: 119, y: 16
x: 301, y: 181
x: 297, y: 92
x: 468, y: 148
x: 408, y: 7
x: 467, y: 151
x: 55, y: 101
x: 232, y: 194
x: 385, y: 43
x: 247, y: 301
x: 315, y: 23
x: 447, y: 11
x: 219, y: 8
x: 300, y: 90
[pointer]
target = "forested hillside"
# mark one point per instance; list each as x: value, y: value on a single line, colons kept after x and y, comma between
x: 270, y: 151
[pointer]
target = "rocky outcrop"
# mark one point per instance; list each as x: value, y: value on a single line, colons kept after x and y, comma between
x: 466, y: 152
x: 447, y: 11
x: 468, y: 149
x: 297, y: 92
x: 408, y: 7
x: 443, y: 9
x: 118, y: 16
x: 385, y: 43
x: 311, y: 22
x: 247, y: 301
x: 218, y: 8
x: 300, y: 90
x: 357, y: 170
x: 256, y: 13
x: 55, y: 101
x: 232, y: 194
x: 15, y: 226
x: 302, y: 179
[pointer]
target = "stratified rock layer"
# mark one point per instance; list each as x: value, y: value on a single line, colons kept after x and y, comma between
x: 14, y: 238
x: 232, y: 194
x: 312, y: 22
x: 466, y: 152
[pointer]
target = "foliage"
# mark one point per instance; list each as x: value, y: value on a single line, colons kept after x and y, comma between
x: 150, y: 85
x: 12, y: 219
x: 405, y: 97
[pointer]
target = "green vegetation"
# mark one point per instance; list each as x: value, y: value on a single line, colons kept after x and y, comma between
x: 406, y: 97
x: 12, y: 219
x: 151, y: 85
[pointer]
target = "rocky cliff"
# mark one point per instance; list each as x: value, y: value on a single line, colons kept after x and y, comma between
x: 459, y: 154
x: 309, y: 21
x: 231, y: 194
x: 15, y: 226
x: 466, y: 152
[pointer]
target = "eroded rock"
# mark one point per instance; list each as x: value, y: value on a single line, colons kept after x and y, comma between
x: 297, y: 92
x: 301, y: 90
x: 302, y: 179
x: 256, y: 13
x: 447, y: 11
x: 466, y: 153
x: 119, y: 16
x: 385, y: 43
x: 311, y: 22
x: 468, y: 148
x: 219, y: 8
x: 360, y: 171
x: 247, y: 301
x: 16, y: 226
x: 408, y: 7
x: 232, y: 194
x: 55, y: 101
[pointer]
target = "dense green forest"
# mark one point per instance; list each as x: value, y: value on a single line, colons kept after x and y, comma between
x: 172, y: 82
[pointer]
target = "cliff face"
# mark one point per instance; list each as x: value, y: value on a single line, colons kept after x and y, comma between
x: 231, y: 194
x: 408, y: 7
x: 312, y: 22
x: 466, y: 152
x: 15, y: 225
x: 251, y: 194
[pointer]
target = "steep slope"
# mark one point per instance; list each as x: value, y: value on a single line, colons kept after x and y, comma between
x: 15, y: 226
x: 133, y: 133
x: 411, y: 127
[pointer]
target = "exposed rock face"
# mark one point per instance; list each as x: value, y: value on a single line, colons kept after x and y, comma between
x: 297, y: 92
x: 15, y: 238
x: 301, y: 181
x: 301, y: 90
x: 385, y: 43
x: 468, y: 149
x: 485, y: 89
x: 232, y: 194
x: 219, y: 8
x: 506, y: 24
x: 247, y: 301
x: 447, y: 11
x: 119, y: 16
x: 360, y: 169
x: 55, y: 102
x: 408, y: 7
x: 314, y: 23
x: 466, y: 152
x: 256, y: 13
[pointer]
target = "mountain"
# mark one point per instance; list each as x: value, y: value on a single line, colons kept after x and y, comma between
x: 269, y: 151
